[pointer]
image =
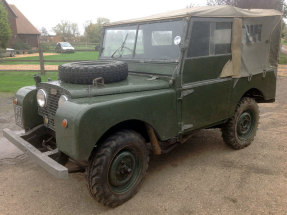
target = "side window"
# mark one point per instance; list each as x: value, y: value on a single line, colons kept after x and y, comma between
x: 210, y: 38
x: 161, y: 38
x: 252, y: 33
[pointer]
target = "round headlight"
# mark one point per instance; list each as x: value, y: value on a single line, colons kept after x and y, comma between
x: 42, y: 98
x: 62, y: 99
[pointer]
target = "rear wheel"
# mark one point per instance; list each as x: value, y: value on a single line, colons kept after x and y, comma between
x: 240, y: 130
x: 117, y: 168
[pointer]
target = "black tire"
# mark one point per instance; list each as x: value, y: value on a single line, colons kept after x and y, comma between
x: 240, y: 130
x: 113, y: 186
x: 85, y: 72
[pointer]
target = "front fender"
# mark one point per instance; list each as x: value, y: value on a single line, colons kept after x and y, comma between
x: 89, y: 118
x: 26, y: 98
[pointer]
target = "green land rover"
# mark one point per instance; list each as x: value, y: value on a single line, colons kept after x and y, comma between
x: 158, y: 79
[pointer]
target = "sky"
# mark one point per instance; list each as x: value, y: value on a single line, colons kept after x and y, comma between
x: 48, y: 13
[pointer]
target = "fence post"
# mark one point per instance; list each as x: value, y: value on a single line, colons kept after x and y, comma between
x: 42, y: 66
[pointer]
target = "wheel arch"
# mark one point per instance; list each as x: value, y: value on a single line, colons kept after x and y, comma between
x: 138, y: 126
x: 256, y: 94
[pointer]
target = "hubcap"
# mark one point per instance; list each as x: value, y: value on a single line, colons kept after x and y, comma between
x: 124, y: 171
x: 245, y: 125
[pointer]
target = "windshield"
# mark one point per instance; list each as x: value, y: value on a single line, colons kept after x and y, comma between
x: 155, y: 41
x: 119, y: 42
x: 66, y: 45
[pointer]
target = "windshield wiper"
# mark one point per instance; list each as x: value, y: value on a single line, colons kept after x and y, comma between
x: 121, y: 47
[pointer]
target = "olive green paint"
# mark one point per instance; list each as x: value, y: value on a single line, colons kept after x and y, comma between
x: 134, y: 83
x: 207, y: 99
x: 26, y: 97
x: 203, y: 68
x: 265, y: 83
x: 89, y: 118
x: 197, y: 99
x: 91, y: 113
x: 161, y: 68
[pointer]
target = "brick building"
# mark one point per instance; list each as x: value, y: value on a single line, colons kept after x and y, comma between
x: 21, y: 28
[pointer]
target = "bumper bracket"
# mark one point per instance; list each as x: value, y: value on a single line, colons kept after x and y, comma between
x: 42, y: 159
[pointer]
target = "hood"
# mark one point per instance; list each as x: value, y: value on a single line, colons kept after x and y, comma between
x: 133, y: 83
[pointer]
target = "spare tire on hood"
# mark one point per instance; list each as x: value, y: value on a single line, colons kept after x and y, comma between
x: 85, y: 72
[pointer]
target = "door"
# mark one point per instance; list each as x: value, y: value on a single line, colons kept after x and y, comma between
x: 205, y: 96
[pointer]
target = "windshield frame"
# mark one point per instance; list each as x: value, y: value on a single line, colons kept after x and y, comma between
x: 133, y: 58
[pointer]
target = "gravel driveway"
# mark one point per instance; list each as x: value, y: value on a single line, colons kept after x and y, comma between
x: 202, y: 176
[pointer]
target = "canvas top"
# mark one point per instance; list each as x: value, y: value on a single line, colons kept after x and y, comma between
x: 222, y: 11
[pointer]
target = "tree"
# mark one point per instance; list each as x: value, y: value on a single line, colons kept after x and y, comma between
x: 44, y: 35
x: 66, y: 30
x: 75, y: 30
x: 93, y: 30
x: 248, y: 4
x: 44, y: 31
x: 5, y: 31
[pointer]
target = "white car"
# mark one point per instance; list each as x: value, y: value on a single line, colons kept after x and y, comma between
x: 8, y: 52
x: 64, y: 47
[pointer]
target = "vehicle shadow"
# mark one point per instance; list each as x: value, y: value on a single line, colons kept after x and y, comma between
x: 203, y: 143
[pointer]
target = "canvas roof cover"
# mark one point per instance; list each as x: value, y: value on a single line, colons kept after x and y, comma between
x: 205, y: 11
x: 255, y: 38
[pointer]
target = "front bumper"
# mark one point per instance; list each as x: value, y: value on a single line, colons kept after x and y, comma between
x: 42, y: 158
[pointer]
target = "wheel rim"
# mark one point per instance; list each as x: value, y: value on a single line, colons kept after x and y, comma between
x: 124, y: 171
x: 245, y: 125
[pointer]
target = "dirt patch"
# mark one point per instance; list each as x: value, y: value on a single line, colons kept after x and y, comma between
x: 282, y: 70
x: 27, y: 67
x: 31, y: 55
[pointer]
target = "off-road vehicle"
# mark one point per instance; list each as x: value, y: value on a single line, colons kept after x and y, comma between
x: 158, y: 80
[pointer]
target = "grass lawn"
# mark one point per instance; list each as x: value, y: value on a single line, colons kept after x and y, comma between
x: 77, y: 56
x: 12, y: 81
x: 283, y: 59
x: 283, y: 42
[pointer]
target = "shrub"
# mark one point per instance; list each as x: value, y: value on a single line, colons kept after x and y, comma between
x: 20, y: 45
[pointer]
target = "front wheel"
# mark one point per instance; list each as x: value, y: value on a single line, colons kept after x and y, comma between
x: 240, y: 130
x: 117, y: 168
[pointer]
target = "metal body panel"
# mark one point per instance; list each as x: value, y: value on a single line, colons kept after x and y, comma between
x: 89, y: 118
x: 134, y: 83
x: 26, y: 98
x: 265, y: 83
x: 203, y: 68
x: 208, y: 104
x: 153, y: 68
x: 209, y: 101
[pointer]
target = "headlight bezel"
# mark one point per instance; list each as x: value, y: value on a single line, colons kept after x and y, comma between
x: 45, y: 98
x: 63, y: 98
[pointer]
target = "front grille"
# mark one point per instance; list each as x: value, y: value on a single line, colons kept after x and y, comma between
x: 49, y: 111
